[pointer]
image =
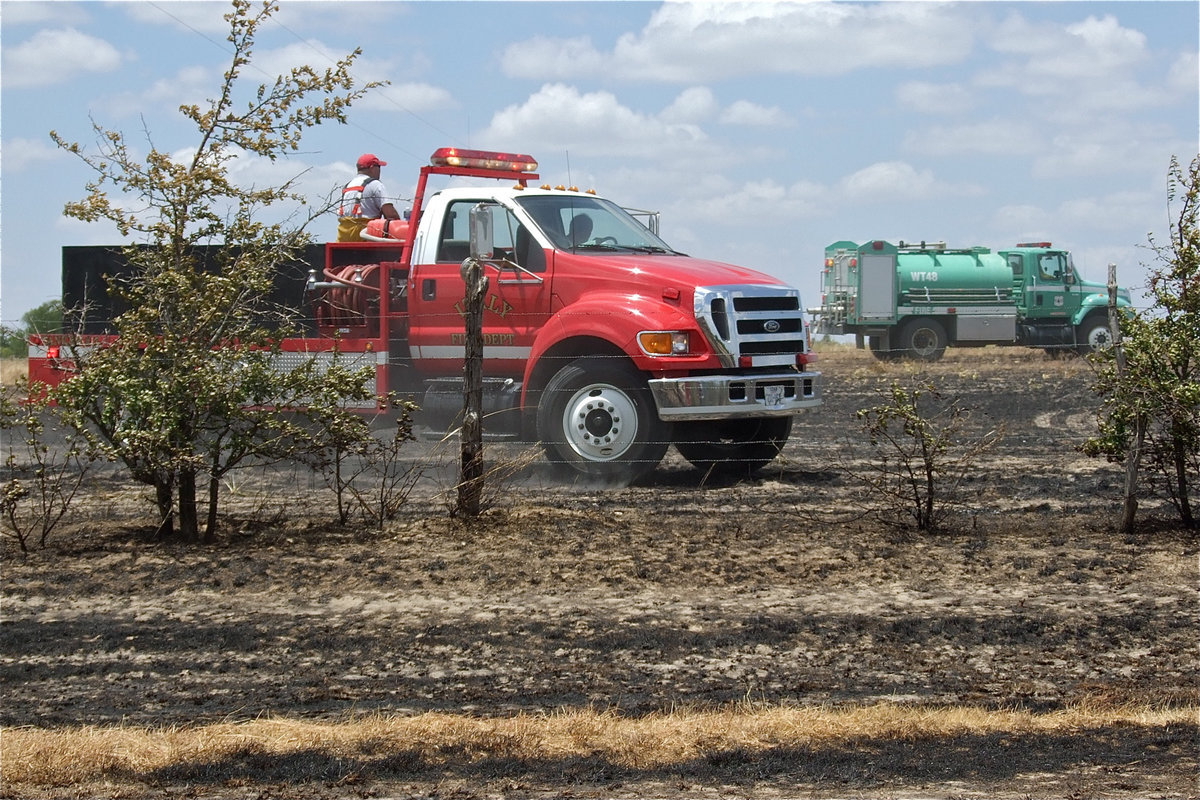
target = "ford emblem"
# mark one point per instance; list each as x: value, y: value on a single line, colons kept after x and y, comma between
x: 771, y: 326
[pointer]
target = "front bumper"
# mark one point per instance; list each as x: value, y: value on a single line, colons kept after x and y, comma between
x: 736, y: 396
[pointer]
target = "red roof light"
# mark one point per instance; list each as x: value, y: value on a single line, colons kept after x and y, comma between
x: 1034, y: 244
x: 482, y: 159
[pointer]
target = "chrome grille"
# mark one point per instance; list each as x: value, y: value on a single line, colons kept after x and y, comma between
x: 763, y: 322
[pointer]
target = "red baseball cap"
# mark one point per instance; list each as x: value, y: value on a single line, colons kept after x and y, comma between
x: 370, y: 160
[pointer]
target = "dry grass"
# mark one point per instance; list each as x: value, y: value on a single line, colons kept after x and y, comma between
x: 12, y: 370
x: 841, y: 358
x: 75, y: 756
x: 845, y: 356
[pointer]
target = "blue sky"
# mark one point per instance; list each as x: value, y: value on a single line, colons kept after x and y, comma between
x: 761, y: 131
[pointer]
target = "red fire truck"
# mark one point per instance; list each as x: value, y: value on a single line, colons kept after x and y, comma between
x: 601, y: 342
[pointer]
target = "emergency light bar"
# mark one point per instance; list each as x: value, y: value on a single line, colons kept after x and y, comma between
x: 1034, y: 244
x: 482, y: 159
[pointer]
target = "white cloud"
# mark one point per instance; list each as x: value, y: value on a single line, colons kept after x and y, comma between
x: 1110, y: 211
x: 1082, y: 62
x: 282, y: 60
x: 688, y: 41
x: 760, y: 200
x: 27, y: 13
x: 1183, y: 75
x: 543, y: 57
x: 1119, y: 147
x: 692, y: 105
x: 768, y: 199
x: 407, y: 97
x: 1021, y: 222
x: 1106, y: 44
x: 404, y: 96
x: 934, y: 98
x: 888, y: 179
x: 991, y: 137
x: 194, y: 84
x: 205, y: 16
x: 188, y: 85
x: 55, y: 56
x: 594, y: 123
x: 20, y: 154
x: 743, y: 112
x: 893, y: 180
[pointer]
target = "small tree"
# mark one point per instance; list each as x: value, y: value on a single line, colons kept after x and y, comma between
x: 1151, y: 387
x: 45, y: 464
x: 920, y: 458
x: 174, y: 395
x: 365, y: 472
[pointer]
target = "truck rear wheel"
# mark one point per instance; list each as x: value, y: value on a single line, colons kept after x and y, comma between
x: 597, y: 416
x: 881, y: 348
x: 922, y: 339
x: 732, y: 447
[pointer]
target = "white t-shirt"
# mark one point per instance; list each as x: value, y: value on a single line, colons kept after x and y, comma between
x: 363, y: 197
x: 373, y: 200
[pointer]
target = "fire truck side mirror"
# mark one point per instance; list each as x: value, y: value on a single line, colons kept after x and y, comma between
x: 482, y: 247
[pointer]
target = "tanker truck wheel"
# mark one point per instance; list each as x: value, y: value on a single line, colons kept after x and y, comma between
x: 737, y: 447
x: 596, y: 416
x: 922, y: 339
x: 1093, y: 335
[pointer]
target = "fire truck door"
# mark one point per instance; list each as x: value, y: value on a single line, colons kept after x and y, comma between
x: 516, y: 304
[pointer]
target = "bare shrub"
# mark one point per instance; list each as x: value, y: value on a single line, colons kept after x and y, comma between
x: 389, y: 479
x: 46, y: 465
x: 494, y: 484
x: 920, y: 455
x: 367, y: 473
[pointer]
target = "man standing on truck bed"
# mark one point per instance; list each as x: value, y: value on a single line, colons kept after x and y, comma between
x: 364, y: 198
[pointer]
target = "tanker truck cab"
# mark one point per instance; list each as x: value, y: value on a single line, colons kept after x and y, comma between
x: 1059, y: 310
x: 915, y: 300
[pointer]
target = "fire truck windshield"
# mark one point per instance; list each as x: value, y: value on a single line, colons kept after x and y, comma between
x: 588, y: 224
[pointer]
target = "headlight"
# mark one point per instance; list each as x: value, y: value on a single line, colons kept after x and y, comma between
x: 665, y: 343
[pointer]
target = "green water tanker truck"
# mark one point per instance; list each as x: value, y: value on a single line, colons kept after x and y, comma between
x: 915, y: 300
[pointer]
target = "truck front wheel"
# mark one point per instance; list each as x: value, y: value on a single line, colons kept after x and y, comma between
x: 1093, y: 335
x: 923, y: 339
x: 597, y: 416
x: 732, y: 447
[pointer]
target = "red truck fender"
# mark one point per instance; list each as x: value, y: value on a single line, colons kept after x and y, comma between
x: 616, y: 318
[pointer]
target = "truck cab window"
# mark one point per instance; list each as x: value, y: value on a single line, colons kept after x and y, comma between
x: 589, y: 225
x: 510, y: 241
x: 1051, y: 266
x: 454, y: 241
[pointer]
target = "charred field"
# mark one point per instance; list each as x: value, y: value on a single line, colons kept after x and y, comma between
x: 786, y: 591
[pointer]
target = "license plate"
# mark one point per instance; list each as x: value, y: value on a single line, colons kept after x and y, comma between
x: 773, y: 396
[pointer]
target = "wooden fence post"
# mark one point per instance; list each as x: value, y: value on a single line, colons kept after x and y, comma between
x: 1133, y: 458
x: 470, y: 484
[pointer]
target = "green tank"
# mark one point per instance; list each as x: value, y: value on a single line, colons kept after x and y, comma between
x: 934, y: 275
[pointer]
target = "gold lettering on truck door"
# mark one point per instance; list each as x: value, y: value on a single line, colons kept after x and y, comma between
x: 494, y: 304
x: 495, y: 339
x: 498, y: 306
